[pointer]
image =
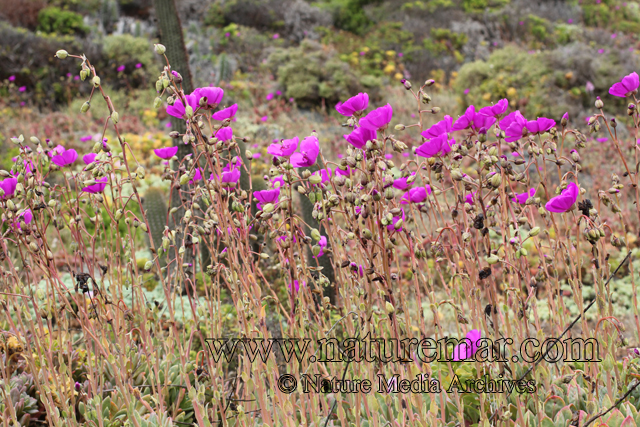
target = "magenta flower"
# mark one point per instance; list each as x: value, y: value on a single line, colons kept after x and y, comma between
x: 345, y: 172
x: 309, y: 150
x: 416, y: 195
x: 285, y: 149
x: 323, y: 244
x: 401, y: 183
x: 467, y: 346
x: 391, y: 227
x: 26, y: 216
x: 89, y: 158
x: 438, y: 146
x: 85, y: 138
x: 120, y: 68
x: 442, y: 127
x: 512, y: 126
x: 540, y: 125
x: 296, y: 285
x: 267, y: 196
x: 59, y: 149
x: 98, y: 187
x: 470, y: 198
x: 495, y: 110
x: 269, y: 97
x: 277, y: 182
x: 213, y: 94
x: 226, y: 113
x: 178, y: 108
x: 564, y: 201
x: 197, y: 176
x: 66, y: 158
x: 225, y: 134
x: 325, y: 174
x: 166, y: 152
x: 473, y: 120
x: 359, y: 137
x: 378, y: 118
x: 264, y: 118
x: 22, y: 88
x: 523, y: 197
x: 12, y: 78
x: 353, y: 105
x: 232, y: 175
x: 139, y: 65
x: 8, y: 186
x: 627, y: 86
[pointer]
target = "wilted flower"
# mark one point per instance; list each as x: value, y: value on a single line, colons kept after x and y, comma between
x: 564, y: 201
x: 98, y: 187
x: 267, y: 196
x: 353, y: 105
x: 309, y: 150
x: 285, y: 149
x: 473, y: 120
x: 467, y: 347
x: 627, y: 86
x: 438, y: 146
x: 416, y: 195
x: 378, y: 118
x: 523, y: 197
x: 66, y: 158
x: 166, y: 152
x: 359, y: 137
x: 178, y: 108
x: 226, y: 113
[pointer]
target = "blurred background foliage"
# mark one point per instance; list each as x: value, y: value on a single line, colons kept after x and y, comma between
x: 317, y: 52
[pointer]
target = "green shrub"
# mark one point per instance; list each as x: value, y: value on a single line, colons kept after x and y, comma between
x: 349, y: 15
x: 128, y: 50
x: 310, y: 72
x: 476, y: 6
x: 52, y: 19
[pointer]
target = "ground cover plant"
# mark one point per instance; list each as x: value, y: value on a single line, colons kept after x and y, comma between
x: 487, y: 225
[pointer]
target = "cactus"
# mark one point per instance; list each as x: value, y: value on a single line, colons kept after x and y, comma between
x: 224, y: 69
x: 325, y: 260
x: 172, y: 38
x: 109, y: 15
x: 156, y: 212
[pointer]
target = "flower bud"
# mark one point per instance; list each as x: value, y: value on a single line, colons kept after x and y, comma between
x: 115, y: 117
x: 159, y: 89
x: 400, y: 127
x: 339, y: 180
x: 493, y: 259
x: 429, y: 82
x: 496, y: 180
x: 62, y: 54
x: 178, y: 79
x: 184, y: 179
x: 565, y: 119
x: 96, y: 81
x: 315, y: 179
x: 316, y: 250
x: 389, y: 308
x: 160, y: 49
x: 435, y: 110
x: 366, y: 233
x: 188, y: 111
x: 148, y: 265
x: 85, y: 107
x: 425, y: 98
x: 406, y: 83
x: 599, y: 103
x: 534, y: 231
x: 157, y: 102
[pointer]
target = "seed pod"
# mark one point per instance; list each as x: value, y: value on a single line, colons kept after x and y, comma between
x: 62, y: 54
